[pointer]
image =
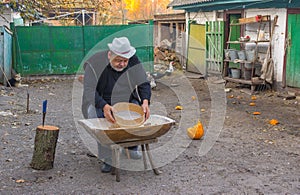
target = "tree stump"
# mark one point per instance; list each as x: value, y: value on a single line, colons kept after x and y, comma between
x: 44, y: 147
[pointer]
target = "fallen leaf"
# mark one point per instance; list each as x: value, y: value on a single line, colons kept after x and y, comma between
x: 227, y: 90
x: 231, y: 96
x: 253, y: 97
x: 252, y: 104
x: 269, y: 141
x: 256, y: 113
x: 202, y: 110
x: 178, y: 108
x: 273, y: 122
x: 20, y: 181
x: 193, y: 97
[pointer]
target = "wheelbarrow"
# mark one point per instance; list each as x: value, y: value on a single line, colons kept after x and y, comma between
x: 117, y: 137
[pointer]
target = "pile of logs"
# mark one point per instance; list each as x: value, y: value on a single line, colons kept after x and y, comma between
x: 164, y: 55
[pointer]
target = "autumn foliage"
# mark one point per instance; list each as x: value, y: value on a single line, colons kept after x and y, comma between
x: 144, y: 9
x: 108, y: 11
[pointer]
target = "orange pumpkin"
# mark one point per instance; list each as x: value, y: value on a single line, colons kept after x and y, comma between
x: 196, y: 132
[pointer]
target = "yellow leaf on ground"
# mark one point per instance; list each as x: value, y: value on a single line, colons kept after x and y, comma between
x: 253, y: 97
x: 193, y: 98
x: 256, y: 113
x: 20, y: 181
x: 274, y: 122
x: 178, y: 108
x: 252, y: 104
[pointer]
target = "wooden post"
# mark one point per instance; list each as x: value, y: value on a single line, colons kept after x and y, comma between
x: 44, y: 147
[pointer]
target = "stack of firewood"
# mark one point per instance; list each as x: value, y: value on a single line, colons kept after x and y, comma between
x: 164, y: 55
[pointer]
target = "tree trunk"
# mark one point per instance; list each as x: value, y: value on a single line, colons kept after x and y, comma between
x: 44, y: 147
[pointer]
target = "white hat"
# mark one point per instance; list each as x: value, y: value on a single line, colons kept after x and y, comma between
x: 121, y: 47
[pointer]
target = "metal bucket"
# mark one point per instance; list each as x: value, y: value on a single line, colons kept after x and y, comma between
x: 233, y: 54
x: 230, y: 54
x: 248, y: 65
x: 250, y: 55
x: 247, y: 74
x: 236, y: 73
x: 242, y: 55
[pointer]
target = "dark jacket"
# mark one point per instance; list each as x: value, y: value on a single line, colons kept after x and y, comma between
x: 103, y: 85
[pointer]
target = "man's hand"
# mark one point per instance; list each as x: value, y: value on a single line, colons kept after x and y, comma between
x: 146, y: 108
x: 107, y: 111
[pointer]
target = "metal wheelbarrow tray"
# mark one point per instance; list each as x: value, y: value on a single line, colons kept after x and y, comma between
x: 108, y: 133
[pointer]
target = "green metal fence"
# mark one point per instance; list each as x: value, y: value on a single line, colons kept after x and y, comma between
x: 52, y: 50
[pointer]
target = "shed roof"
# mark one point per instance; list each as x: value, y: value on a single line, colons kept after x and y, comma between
x: 170, y: 17
x: 210, y: 5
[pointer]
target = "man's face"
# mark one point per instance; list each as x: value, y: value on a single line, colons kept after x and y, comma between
x: 117, y: 62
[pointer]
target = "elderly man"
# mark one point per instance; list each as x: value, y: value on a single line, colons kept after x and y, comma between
x: 110, y: 77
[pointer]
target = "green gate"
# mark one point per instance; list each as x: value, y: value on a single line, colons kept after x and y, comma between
x: 214, y: 46
x: 293, y: 59
x: 54, y: 50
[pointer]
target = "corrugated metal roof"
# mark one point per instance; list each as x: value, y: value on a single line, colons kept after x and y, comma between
x: 187, y: 2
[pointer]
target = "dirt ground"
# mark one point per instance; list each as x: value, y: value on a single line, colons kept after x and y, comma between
x: 241, y: 153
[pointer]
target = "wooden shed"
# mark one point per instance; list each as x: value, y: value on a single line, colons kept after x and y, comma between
x: 171, y: 28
